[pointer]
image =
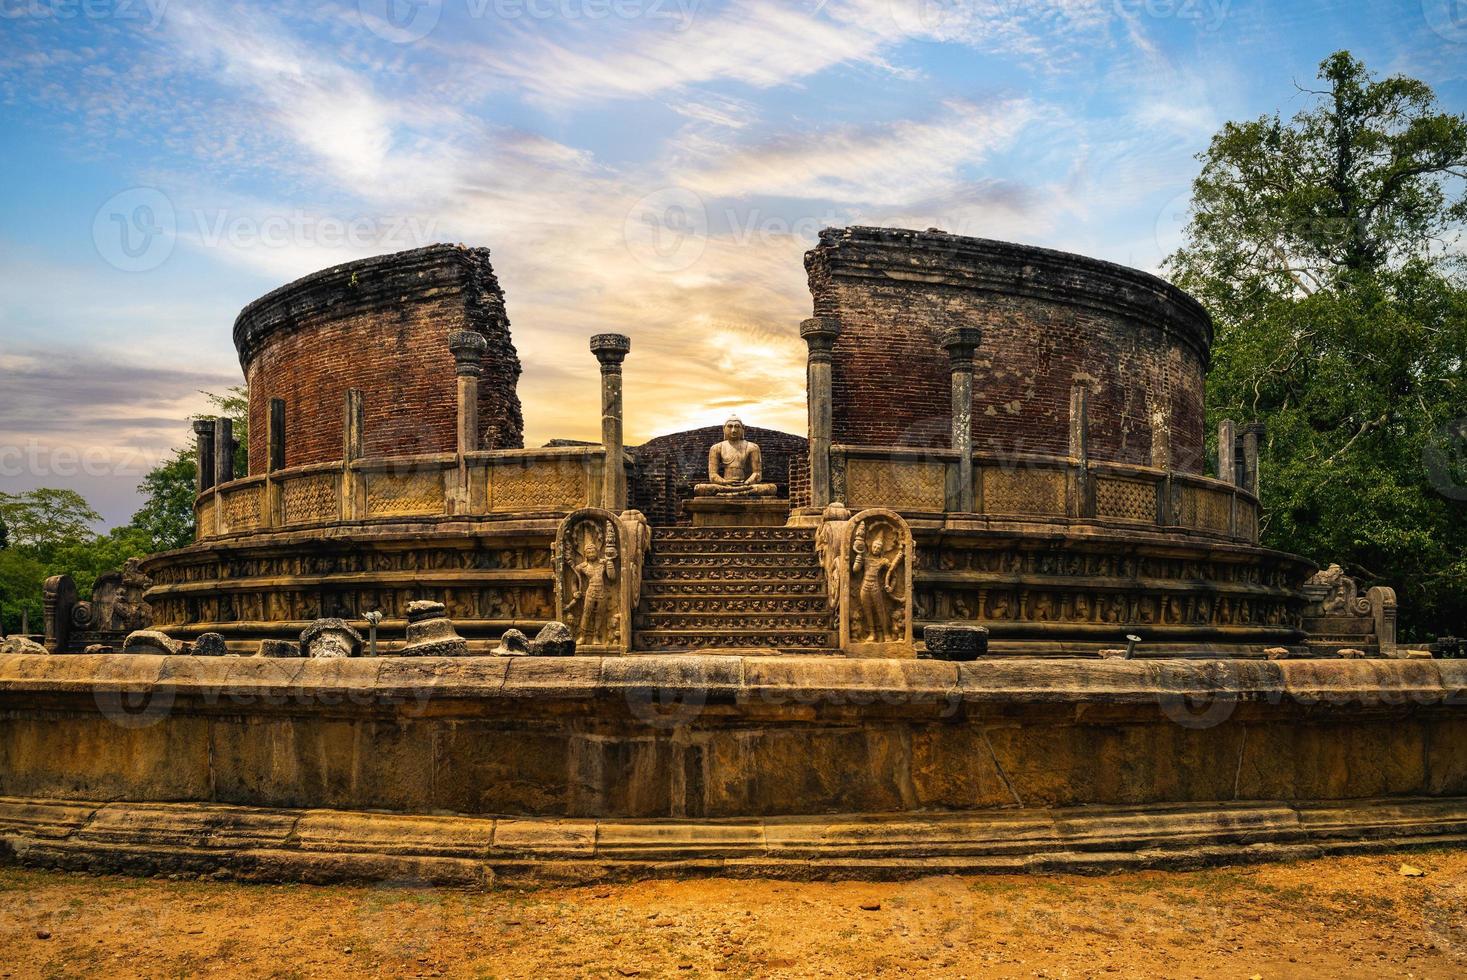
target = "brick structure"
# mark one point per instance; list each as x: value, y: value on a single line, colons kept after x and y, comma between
x: 668, y: 466
x: 1049, y: 320
x: 380, y: 325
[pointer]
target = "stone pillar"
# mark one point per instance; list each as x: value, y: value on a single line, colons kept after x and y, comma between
x: 353, y: 488
x: 223, y: 451
x: 1080, y: 447
x: 204, y: 453
x: 1252, y: 433
x: 277, y: 434
x: 468, y: 347
x: 1227, y: 448
x: 611, y: 349
x: 819, y: 334
x: 960, y: 343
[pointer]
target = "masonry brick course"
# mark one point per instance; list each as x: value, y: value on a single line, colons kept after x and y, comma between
x: 1049, y: 320
x: 380, y: 325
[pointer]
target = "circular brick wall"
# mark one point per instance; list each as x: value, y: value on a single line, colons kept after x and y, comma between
x: 380, y: 325
x: 1050, y: 320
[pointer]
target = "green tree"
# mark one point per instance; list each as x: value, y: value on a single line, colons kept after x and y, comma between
x: 1324, y: 248
x: 167, y: 514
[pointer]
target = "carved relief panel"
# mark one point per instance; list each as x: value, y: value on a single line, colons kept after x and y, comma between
x: 868, y: 562
x: 598, y: 570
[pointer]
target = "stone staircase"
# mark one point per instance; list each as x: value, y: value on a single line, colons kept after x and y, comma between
x: 706, y: 589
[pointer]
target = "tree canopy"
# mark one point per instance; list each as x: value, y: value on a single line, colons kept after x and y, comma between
x: 1327, y: 248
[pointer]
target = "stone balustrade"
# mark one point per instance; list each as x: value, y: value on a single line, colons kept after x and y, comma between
x: 553, y: 480
x: 1035, y: 487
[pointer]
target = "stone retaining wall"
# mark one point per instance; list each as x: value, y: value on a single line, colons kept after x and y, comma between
x: 722, y: 737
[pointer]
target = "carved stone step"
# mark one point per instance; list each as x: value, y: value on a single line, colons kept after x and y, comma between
x: 733, y: 605
x: 749, y: 589
x: 654, y: 639
x: 801, y: 549
x: 654, y: 573
x: 727, y: 534
x: 730, y: 560
x: 736, y: 622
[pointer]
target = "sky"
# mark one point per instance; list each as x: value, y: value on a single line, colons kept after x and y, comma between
x: 649, y: 167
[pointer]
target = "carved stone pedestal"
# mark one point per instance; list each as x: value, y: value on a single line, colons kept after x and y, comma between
x: 739, y: 511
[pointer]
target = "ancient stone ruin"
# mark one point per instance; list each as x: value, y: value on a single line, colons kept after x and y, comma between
x: 996, y: 573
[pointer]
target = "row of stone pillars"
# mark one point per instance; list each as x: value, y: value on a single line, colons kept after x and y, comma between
x: 1237, y: 454
x: 820, y: 334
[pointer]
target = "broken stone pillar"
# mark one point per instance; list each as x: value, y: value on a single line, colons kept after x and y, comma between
x: 819, y: 334
x: 204, y: 453
x: 223, y: 451
x: 1080, y: 447
x: 959, y: 343
x: 277, y: 434
x: 331, y: 638
x: 611, y: 349
x: 468, y: 347
x: 1252, y: 433
x: 353, y: 488
x: 1227, y: 449
x: 430, y: 632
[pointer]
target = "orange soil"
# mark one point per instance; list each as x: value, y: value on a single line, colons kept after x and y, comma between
x: 1345, y: 916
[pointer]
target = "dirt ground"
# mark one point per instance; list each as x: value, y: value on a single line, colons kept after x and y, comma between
x: 1350, y: 916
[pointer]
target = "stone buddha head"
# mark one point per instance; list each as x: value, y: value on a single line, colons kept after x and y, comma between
x: 733, y: 430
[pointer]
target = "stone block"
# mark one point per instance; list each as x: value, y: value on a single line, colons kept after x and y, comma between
x: 484, y: 767
x: 553, y: 640
x: 956, y: 641
x: 151, y: 641
x: 209, y: 645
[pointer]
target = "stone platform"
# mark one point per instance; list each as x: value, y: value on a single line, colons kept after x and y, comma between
x: 738, y: 511
x: 455, y: 769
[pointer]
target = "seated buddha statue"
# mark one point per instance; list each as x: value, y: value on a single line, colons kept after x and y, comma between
x: 734, y: 467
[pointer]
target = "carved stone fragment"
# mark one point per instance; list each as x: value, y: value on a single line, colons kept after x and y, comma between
x: 513, y: 643
x: 151, y: 641
x: 553, y: 640
x: 21, y: 644
x: 278, y: 649
x: 210, y: 645
x: 430, y: 632
x: 956, y: 641
x: 331, y: 638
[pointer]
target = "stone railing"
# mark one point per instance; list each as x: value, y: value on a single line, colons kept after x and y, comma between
x: 1029, y: 486
x: 482, y: 484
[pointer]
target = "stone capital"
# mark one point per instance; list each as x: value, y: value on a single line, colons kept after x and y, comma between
x: 820, y: 333
x: 1258, y: 429
x: 610, y: 349
x: 468, y: 348
x: 960, y: 342
x: 204, y: 427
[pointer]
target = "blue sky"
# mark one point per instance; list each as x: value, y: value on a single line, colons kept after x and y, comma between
x: 654, y: 167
